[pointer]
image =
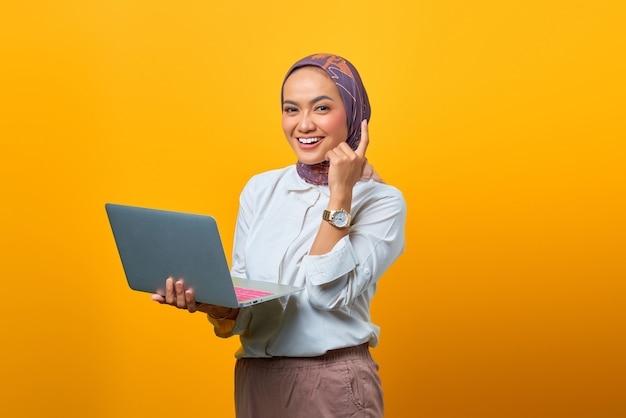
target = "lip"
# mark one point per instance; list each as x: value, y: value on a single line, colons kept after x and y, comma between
x: 312, y: 145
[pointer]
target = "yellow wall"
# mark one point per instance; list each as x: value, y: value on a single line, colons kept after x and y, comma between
x: 502, y: 121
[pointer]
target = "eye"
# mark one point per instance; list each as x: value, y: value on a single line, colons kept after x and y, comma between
x: 290, y: 109
x: 322, y: 108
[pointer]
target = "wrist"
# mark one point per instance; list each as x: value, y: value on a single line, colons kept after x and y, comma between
x: 340, y: 201
x: 339, y: 218
x: 222, y: 313
x: 342, y: 193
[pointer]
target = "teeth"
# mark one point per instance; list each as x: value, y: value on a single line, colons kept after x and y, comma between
x: 308, y: 140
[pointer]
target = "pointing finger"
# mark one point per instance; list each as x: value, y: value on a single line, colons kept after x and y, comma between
x: 365, y: 139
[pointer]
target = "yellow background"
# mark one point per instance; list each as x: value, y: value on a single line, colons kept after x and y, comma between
x: 501, y: 121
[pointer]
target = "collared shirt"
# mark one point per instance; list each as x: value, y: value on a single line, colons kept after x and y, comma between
x: 279, y: 217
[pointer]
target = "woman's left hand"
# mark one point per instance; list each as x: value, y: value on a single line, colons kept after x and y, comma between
x: 347, y: 166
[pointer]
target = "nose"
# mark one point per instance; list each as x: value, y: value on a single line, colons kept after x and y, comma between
x: 306, y: 124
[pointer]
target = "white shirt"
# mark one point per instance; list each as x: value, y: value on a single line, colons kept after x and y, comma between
x: 279, y: 216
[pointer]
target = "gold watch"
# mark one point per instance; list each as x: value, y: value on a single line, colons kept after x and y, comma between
x: 337, y: 218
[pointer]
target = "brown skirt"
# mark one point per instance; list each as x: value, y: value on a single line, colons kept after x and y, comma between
x: 341, y: 383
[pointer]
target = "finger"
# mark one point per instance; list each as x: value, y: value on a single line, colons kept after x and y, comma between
x: 170, y: 295
x: 340, y: 153
x: 180, y: 294
x: 158, y: 298
x: 190, y: 300
x: 335, y: 152
x: 365, y: 139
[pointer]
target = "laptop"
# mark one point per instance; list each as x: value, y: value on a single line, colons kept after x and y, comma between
x: 155, y: 244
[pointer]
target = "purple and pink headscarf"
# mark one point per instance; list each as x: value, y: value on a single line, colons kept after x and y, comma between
x: 355, y: 101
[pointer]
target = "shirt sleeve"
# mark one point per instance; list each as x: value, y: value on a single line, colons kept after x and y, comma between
x: 336, y: 279
x: 225, y: 328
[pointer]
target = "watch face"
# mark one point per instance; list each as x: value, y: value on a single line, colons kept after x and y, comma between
x: 340, y: 219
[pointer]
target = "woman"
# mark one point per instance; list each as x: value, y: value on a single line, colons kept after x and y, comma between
x: 326, y: 223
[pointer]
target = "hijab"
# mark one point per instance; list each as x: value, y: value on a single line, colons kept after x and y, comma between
x: 355, y: 101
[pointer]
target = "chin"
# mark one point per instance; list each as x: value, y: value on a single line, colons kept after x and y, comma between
x: 309, y: 158
x: 310, y: 161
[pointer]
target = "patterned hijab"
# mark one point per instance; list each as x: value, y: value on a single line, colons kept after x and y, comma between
x: 355, y: 101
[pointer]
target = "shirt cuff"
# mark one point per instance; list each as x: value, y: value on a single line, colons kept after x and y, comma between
x: 225, y: 328
x: 323, y: 269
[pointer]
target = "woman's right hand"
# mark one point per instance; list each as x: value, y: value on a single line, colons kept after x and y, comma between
x: 176, y: 295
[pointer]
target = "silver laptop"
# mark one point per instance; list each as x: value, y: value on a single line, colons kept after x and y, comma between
x: 156, y: 244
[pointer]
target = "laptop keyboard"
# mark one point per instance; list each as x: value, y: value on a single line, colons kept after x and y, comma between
x: 247, y: 294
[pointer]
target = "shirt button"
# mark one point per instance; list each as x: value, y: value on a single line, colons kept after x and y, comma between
x: 366, y: 271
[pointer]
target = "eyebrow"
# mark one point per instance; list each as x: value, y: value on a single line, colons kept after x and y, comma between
x: 315, y: 100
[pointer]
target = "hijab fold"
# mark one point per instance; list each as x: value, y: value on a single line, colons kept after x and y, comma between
x: 355, y: 101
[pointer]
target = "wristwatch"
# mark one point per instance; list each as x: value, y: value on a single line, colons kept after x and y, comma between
x: 337, y: 218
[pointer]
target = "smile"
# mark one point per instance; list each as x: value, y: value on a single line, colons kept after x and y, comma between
x: 309, y: 140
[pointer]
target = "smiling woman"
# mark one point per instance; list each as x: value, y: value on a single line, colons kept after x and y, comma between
x: 307, y: 354
x: 314, y: 118
x: 501, y: 122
